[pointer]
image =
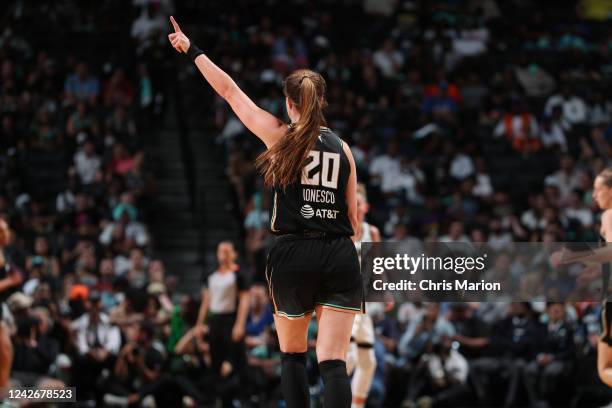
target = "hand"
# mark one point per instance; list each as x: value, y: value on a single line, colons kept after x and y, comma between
x: 237, y: 333
x: 178, y: 39
x: 127, y: 352
x: 199, y: 330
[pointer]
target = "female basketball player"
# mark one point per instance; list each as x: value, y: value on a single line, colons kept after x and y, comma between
x: 10, y: 277
x: 313, y: 265
x: 361, y: 356
x: 602, y: 195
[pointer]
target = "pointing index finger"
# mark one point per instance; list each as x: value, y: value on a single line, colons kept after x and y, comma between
x: 175, y: 25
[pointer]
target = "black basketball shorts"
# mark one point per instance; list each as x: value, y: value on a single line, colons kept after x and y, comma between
x: 606, y: 322
x: 303, y: 272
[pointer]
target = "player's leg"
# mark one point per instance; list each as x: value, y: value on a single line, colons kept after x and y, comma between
x: 364, y: 374
x: 604, y: 345
x: 6, y: 354
x: 333, y: 337
x: 293, y: 340
x: 363, y: 336
x: 351, y: 358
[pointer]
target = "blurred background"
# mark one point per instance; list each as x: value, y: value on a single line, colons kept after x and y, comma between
x: 121, y: 172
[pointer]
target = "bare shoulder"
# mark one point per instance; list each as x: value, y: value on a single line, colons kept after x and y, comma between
x: 347, y: 149
x: 375, y: 233
x: 606, y: 224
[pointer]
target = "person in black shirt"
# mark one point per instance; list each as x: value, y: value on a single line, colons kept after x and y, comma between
x: 472, y: 333
x: 225, y: 305
x: 313, y: 265
x: 138, y: 373
x: 33, y: 353
x: 512, y: 343
x: 553, y: 362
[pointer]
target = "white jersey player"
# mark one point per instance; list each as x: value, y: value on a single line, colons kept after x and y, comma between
x: 361, y: 358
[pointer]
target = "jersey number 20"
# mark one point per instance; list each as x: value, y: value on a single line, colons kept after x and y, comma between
x: 330, y: 168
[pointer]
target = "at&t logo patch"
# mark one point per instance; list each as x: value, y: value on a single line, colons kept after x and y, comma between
x: 307, y: 211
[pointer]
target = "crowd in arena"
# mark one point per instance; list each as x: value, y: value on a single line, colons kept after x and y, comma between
x: 475, y: 121
x: 447, y: 106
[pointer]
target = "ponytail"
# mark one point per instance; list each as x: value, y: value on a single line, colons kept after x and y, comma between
x: 284, y: 162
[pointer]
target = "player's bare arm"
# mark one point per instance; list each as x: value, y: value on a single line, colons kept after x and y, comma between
x: 264, y: 125
x: 351, y: 189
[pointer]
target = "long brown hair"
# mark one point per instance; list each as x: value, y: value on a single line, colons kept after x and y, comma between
x: 283, y: 163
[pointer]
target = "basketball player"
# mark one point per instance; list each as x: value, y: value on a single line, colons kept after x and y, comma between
x: 361, y: 356
x: 10, y: 277
x: 313, y: 264
x: 602, y: 195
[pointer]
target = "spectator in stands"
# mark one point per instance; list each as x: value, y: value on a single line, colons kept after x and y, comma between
x: 387, y: 59
x: 534, y: 79
x: 81, y: 85
x: 418, y: 340
x: 520, y: 127
x: 96, y: 341
x: 139, y: 373
x: 118, y: 90
x: 417, y: 337
x: 553, y: 363
x: 455, y: 234
x: 574, y: 109
x: 472, y: 333
x: 87, y: 162
x: 577, y: 211
x: 260, y: 315
x: 566, y: 178
x: 147, y: 29
x: 441, y: 106
x: 445, y: 379
x: 512, y: 344
x: 552, y: 136
x: 385, y: 169
x: 461, y: 166
x: 81, y: 122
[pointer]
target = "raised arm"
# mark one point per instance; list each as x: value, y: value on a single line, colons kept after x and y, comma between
x: 264, y: 125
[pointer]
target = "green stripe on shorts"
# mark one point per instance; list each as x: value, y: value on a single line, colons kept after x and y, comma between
x: 340, y: 307
x: 292, y: 315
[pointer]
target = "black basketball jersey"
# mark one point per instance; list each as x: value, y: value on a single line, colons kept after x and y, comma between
x: 318, y: 201
x: 605, y: 273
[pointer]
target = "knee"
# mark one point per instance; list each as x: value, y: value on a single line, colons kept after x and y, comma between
x: 293, y: 344
x: 331, y: 353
